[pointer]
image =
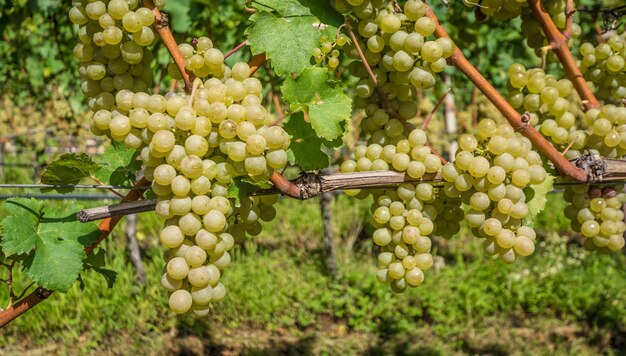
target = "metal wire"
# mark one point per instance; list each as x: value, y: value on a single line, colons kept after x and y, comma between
x: 62, y: 197
x: 67, y: 186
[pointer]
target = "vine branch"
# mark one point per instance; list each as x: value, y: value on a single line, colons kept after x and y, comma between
x: 558, y: 43
x: 163, y: 28
x: 518, y: 122
x: 309, y: 185
x: 570, y: 10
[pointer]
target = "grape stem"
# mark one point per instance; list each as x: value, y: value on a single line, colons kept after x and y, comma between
x: 558, y: 43
x: 434, y: 110
x: 194, y: 89
x: 517, y: 121
x: 568, y: 148
x: 372, y: 76
x: 237, y: 48
x: 570, y: 10
x: 163, y: 28
x: 40, y: 294
x: 256, y: 62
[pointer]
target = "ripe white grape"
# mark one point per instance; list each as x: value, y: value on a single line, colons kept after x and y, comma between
x: 202, y: 295
x: 180, y: 301
x: 177, y: 268
x: 171, y: 236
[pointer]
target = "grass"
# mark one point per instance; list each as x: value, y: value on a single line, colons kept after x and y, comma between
x: 281, y: 300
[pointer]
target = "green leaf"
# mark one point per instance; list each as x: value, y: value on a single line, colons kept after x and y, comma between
x: 52, y: 239
x: 68, y: 168
x: 287, y: 40
x: 328, y: 107
x: 97, y: 261
x: 239, y: 189
x: 109, y: 275
x: 539, y: 197
x: 292, y: 8
x: 119, y: 165
x: 307, y: 149
x: 179, y: 15
x: 21, y: 222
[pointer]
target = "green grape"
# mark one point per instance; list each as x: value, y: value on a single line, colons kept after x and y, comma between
x: 425, y: 26
x: 390, y: 23
x: 95, y: 9
x: 431, y: 51
x: 180, y: 301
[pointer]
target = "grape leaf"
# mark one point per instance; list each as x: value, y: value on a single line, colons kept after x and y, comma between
x: 119, y: 165
x: 97, y: 261
x: 241, y: 188
x: 307, y: 149
x: 539, y: 197
x: 68, y: 168
x: 179, y: 15
x: 52, y: 239
x: 328, y: 107
x: 287, y: 38
x: 291, y: 8
x: 20, y: 222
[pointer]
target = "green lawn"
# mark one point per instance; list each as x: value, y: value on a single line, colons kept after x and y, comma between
x: 280, y: 299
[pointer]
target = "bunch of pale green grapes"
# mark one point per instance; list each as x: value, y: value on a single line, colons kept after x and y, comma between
x: 550, y: 102
x: 595, y: 211
x: 490, y: 174
x: 606, y: 131
x: 403, y: 224
x: 404, y: 216
x: 192, y: 148
x: 533, y: 33
x: 504, y: 10
x: 112, y: 39
x: 501, y: 10
x: 605, y: 66
x: 396, y: 48
x: 201, y: 59
x: 410, y: 155
x: 327, y: 53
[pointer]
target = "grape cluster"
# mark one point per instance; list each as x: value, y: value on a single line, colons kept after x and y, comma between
x: 532, y: 31
x: 504, y: 10
x: 550, y: 102
x: 403, y: 224
x: 606, y: 131
x: 112, y: 50
x: 410, y: 155
x: 605, y: 66
x: 396, y: 48
x: 501, y: 10
x: 192, y: 147
x: 220, y: 135
x: 326, y: 53
x: 201, y: 59
x: 404, y: 216
x: 490, y: 174
x: 450, y: 214
x: 595, y: 212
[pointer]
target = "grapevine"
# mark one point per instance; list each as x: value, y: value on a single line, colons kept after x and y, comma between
x: 215, y: 156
